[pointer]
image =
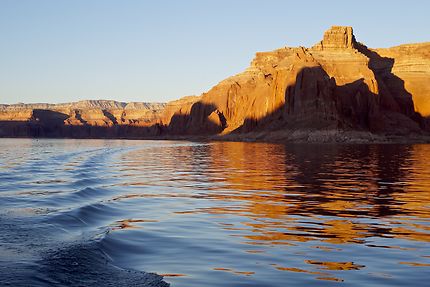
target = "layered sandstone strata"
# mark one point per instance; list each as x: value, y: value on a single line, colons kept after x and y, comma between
x: 92, y: 118
x: 338, y: 84
x: 412, y: 66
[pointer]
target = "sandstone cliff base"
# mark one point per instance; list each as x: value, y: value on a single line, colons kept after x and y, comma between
x: 324, y: 136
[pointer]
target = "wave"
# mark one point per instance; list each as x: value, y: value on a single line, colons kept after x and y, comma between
x: 86, y: 264
x: 59, y: 242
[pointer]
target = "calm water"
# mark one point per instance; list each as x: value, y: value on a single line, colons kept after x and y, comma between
x: 83, y: 212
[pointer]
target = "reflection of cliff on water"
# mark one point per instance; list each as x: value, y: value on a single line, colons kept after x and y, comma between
x: 274, y: 185
x: 294, y: 193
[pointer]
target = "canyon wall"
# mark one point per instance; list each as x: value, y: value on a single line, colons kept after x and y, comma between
x: 84, y: 119
x: 338, y: 84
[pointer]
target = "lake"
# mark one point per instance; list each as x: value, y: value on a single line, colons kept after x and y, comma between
x: 106, y: 212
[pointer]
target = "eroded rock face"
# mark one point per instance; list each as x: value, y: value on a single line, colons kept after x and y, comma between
x: 337, y: 84
x: 91, y: 118
x: 412, y: 65
x: 338, y: 37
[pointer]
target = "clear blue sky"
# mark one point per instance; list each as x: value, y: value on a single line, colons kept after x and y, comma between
x: 61, y: 51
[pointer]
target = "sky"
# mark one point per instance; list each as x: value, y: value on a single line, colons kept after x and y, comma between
x: 154, y: 51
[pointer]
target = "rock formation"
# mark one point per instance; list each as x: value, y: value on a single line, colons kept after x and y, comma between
x: 412, y: 65
x: 95, y: 119
x: 338, y: 85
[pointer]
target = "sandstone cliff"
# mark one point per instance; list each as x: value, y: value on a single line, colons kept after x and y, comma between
x: 338, y: 85
x: 412, y: 65
x: 91, y: 118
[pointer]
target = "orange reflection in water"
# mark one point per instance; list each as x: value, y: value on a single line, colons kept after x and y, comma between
x: 129, y: 224
x: 347, y: 182
x: 335, y: 265
x: 246, y: 273
x: 288, y: 195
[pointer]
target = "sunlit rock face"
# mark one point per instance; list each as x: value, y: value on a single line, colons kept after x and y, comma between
x: 92, y: 112
x: 91, y: 118
x: 337, y: 84
x: 337, y: 37
x: 412, y: 65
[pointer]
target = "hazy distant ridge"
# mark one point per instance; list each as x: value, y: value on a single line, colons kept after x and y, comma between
x: 87, y: 104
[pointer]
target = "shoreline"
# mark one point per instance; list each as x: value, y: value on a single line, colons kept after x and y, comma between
x: 276, y: 137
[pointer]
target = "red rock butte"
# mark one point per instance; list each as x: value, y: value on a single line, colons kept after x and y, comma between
x: 339, y: 86
x: 338, y: 37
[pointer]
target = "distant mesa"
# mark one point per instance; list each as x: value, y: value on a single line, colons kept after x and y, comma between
x: 337, y: 90
x: 87, y: 104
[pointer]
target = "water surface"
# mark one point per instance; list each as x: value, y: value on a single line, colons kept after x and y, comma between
x: 83, y: 212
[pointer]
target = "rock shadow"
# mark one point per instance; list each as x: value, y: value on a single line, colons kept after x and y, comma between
x: 316, y: 102
x: 51, y: 124
x: 203, y: 119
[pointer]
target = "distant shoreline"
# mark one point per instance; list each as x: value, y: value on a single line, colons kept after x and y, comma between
x: 285, y: 137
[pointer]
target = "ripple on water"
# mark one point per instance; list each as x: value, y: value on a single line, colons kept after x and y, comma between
x: 214, y: 214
